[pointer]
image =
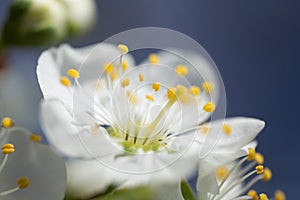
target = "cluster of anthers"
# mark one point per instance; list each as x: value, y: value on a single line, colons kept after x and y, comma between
x: 233, y: 177
x: 140, y: 131
x: 7, y: 150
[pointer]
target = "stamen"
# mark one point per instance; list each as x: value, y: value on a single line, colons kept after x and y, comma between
x: 208, y: 86
x: 156, y: 86
x: 253, y: 194
x: 171, y: 92
x: 279, y: 195
x: 73, y: 73
x: 251, y: 154
x: 222, y: 172
x: 124, y: 65
x: 263, y: 196
x: 109, y: 68
x: 150, y: 97
x: 114, y: 75
x: 7, y: 122
x: 153, y: 58
x: 181, y: 70
x: 141, y: 77
x: 65, y: 81
x: 259, y: 158
x: 123, y: 48
x: 125, y: 82
x: 194, y: 90
x: 259, y: 169
x: 35, y: 138
x: 8, y: 148
x: 267, y: 174
x: 227, y: 129
x: 209, y: 107
x: 23, y: 183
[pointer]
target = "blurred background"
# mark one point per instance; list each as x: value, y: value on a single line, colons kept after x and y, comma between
x: 255, y: 45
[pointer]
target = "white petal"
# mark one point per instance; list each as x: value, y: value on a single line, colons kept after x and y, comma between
x: 45, y: 170
x: 56, y: 122
x: 243, y: 131
x: 89, y: 178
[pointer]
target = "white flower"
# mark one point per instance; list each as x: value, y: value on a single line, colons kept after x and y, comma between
x: 28, y: 166
x: 135, y: 119
x: 42, y: 22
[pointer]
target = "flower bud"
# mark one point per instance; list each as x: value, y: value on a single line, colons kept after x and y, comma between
x: 44, y: 22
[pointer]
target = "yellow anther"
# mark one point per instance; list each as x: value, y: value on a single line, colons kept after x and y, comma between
x: 209, y: 107
x: 259, y: 158
x: 8, y: 148
x: 253, y: 194
x: 123, y: 48
x: 153, y: 58
x: 150, y: 97
x: 109, y: 68
x: 141, y: 77
x: 222, y: 172
x: 114, y: 76
x: 204, y: 129
x: 227, y: 129
x: 279, y: 195
x: 73, y: 73
x: 208, y: 86
x: 65, y: 81
x: 263, y: 196
x: 125, y: 82
x: 259, y: 169
x: 194, y: 90
x: 181, y: 89
x: 7, y: 122
x: 267, y: 175
x: 23, y: 183
x: 132, y: 97
x: 156, y: 86
x: 182, y: 70
x: 251, y: 154
x: 124, y: 65
x: 35, y: 138
x: 171, y: 93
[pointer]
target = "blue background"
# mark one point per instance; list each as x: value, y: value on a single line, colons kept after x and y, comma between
x: 255, y: 45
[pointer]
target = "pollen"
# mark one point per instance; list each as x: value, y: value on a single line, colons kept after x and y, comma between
x: 251, y: 154
x: 125, y: 82
x: 124, y: 65
x: 181, y: 70
x: 123, y: 48
x: 279, y: 195
x: 73, y: 73
x: 227, y: 129
x: 109, y: 68
x: 259, y: 169
x: 267, y: 175
x: 150, y: 97
x: 7, y: 122
x: 222, y: 172
x: 35, y: 138
x: 153, y: 58
x: 259, y: 158
x: 8, y: 148
x: 209, y: 107
x: 171, y: 93
x: 156, y: 86
x: 253, y: 194
x: 23, y: 183
x: 65, y: 81
x: 208, y: 86
x: 141, y: 77
x: 194, y: 90
x: 263, y: 196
